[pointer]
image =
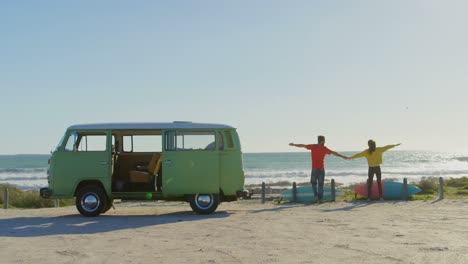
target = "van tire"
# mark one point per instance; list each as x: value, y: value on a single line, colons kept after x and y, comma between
x: 91, y: 200
x: 204, y: 203
x: 110, y: 203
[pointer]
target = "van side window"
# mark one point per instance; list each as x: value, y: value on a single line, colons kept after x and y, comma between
x: 190, y: 140
x: 229, y: 140
x: 142, y: 143
x: 170, y: 140
x: 92, y: 143
x: 127, y: 143
x: 220, y: 141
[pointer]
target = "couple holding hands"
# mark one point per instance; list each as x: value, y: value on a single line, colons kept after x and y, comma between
x: 318, y: 151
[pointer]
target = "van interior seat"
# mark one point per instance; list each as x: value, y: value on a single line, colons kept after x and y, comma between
x: 136, y: 176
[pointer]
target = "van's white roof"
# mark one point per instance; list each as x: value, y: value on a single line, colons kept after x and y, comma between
x: 147, y: 126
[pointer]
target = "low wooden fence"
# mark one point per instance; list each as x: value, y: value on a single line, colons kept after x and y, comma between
x: 294, y: 191
x: 406, y: 195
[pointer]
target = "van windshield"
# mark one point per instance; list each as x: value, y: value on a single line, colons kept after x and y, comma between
x: 60, y: 142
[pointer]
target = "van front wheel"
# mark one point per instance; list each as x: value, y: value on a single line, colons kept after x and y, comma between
x: 110, y: 203
x: 91, y: 201
x: 204, y: 203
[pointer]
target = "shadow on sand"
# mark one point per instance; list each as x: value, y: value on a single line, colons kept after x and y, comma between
x: 278, y: 208
x: 77, y: 224
x: 360, y: 204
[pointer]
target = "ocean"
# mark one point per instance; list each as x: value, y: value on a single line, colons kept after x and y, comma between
x: 30, y: 171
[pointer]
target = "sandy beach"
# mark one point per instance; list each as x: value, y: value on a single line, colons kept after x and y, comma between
x: 241, y: 232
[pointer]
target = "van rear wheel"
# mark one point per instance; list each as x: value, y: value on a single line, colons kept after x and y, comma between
x: 204, y: 203
x: 91, y: 201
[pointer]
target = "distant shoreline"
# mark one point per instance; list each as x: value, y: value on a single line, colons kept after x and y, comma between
x: 23, y: 155
x: 267, y: 152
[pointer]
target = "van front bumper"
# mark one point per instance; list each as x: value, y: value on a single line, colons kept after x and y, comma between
x: 245, y: 194
x: 45, y: 192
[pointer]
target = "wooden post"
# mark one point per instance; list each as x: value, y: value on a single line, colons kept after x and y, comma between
x: 56, y: 203
x: 263, y: 192
x: 333, y: 193
x: 405, y: 189
x: 5, y: 198
x: 294, y: 192
x: 441, y: 188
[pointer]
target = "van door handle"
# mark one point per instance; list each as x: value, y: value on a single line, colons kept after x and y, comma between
x: 168, y: 162
x: 103, y: 163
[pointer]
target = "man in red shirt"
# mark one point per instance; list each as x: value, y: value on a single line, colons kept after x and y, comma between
x: 318, y: 152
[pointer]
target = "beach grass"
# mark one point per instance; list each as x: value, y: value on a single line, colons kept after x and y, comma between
x: 428, y: 185
x: 458, y: 182
x: 455, y: 188
x: 28, y: 199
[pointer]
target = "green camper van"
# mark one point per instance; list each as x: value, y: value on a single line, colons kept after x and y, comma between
x: 194, y: 162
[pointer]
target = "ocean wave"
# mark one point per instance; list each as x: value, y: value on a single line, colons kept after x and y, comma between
x: 19, y: 178
x: 271, y: 174
x: 22, y: 170
x: 420, y: 161
x: 28, y: 186
x: 428, y: 172
x: 274, y: 174
x: 461, y: 159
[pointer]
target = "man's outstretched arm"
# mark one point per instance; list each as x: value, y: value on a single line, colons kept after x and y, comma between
x: 297, y: 145
x: 339, y: 155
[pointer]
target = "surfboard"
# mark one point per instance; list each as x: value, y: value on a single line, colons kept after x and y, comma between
x: 306, y: 195
x: 391, y: 190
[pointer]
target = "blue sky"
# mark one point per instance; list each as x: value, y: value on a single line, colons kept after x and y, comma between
x: 279, y: 71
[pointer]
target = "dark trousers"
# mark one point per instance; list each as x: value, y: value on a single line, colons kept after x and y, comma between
x: 317, y: 176
x: 378, y: 173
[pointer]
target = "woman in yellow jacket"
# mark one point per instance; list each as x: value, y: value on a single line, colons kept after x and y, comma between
x: 374, y: 159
